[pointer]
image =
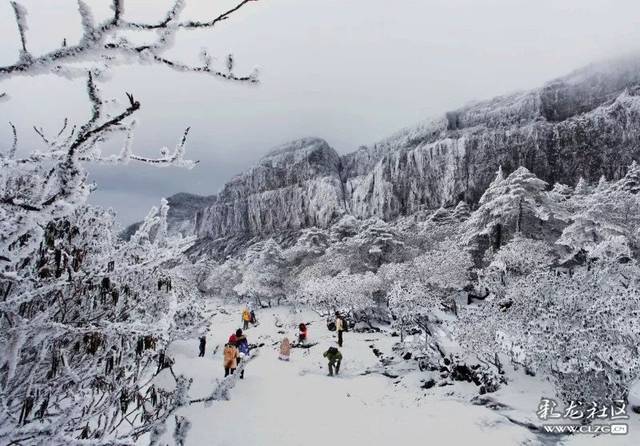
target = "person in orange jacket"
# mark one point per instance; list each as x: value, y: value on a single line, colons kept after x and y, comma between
x: 230, y: 356
x: 285, y: 349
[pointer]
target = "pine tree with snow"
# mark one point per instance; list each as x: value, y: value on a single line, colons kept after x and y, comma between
x: 582, y: 188
x: 631, y: 181
x: 606, y: 214
x: 507, y: 205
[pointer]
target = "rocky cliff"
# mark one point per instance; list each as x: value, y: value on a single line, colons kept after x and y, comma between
x: 182, y: 212
x: 296, y: 185
x: 585, y: 124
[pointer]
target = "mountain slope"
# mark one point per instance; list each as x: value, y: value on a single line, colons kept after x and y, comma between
x: 585, y: 124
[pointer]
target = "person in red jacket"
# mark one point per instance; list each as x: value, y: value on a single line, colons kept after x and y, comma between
x: 302, y: 334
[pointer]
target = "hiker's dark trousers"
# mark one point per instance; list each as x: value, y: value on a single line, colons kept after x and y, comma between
x: 201, y: 354
x: 340, y: 338
x: 228, y: 371
x: 334, y: 366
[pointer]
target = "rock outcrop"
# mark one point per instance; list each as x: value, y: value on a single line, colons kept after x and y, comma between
x: 181, y: 217
x: 296, y: 185
x: 585, y: 124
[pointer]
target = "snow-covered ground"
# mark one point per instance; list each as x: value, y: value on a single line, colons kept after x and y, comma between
x: 296, y: 403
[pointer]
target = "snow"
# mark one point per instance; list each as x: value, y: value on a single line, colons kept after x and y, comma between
x: 293, y: 403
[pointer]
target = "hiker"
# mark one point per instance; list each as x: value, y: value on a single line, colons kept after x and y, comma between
x: 230, y: 356
x: 302, y: 334
x: 243, y: 347
x: 246, y: 317
x: 285, y: 349
x: 253, y: 319
x: 341, y: 326
x: 335, y: 358
x: 203, y: 343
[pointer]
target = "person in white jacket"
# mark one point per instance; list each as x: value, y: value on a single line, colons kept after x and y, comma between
x: 340, y: 327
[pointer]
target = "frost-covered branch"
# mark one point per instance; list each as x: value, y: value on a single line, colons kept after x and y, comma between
x: 104, y: 45
x: 14, y: 144
x: 85, y: 318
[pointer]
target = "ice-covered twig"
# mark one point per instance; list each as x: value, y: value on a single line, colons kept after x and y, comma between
x: 14, y: 144
x: 87, y: 132
x: 21, y: 21
x: 102, y: 44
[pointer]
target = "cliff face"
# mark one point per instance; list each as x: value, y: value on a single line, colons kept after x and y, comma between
x: 182, y: 211
x: 181, y: 217
x: 296, y: 185
x: 585, y: 124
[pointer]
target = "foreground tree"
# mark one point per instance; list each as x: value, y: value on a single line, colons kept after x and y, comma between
x: 581, y: 328
x: 84, y: 319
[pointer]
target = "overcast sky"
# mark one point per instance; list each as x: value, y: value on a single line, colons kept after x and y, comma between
x: 349, y: 71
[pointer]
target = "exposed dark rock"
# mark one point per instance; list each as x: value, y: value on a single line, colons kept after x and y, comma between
x: 428, y: 384
x: 488, y: 402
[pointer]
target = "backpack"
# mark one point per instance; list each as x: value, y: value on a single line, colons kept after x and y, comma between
x: 345, y: 324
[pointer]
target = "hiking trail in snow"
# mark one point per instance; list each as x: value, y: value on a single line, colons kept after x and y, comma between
x: 281, y: 403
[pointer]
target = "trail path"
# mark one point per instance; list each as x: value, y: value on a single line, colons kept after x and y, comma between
x: 295, y: 403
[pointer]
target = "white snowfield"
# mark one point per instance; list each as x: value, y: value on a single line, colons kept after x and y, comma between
x: 295, y: 403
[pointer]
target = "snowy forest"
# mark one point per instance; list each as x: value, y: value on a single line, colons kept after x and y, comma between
x: 518, y: 279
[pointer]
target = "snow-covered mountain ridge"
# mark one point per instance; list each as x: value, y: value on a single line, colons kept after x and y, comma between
x: 585, y: 124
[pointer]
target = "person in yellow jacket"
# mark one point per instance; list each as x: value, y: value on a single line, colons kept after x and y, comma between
x: 230, y: 356
x: 246, y: 318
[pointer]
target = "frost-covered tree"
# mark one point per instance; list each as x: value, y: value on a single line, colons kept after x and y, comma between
x: 462, y: 211
x: 349, y: 293
x: 263, y: 273
x: 608, y: 217
x: 520, y: 257
x: 418, y: 291
x: 346, y: 227
x: 219, y: 279
x: 582, y: 329
x: 507, y: 205
x: 86, y: 322
x: 582, y: 187
x: 377, y: 242
x: 85, y: 318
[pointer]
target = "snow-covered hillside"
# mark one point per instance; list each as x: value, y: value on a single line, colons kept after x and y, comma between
x: 583, y: 125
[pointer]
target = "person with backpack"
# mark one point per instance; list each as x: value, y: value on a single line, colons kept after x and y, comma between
x: 246, y: 317
x: 302, y: 334
x: 285, y: 350
x: 230, y: 356
x: 203, y: 343
x: 335, y: 358
x: 341, y: 326
x: 243, y: 347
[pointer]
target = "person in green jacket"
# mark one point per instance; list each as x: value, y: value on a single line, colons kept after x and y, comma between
x: 335, y: 358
